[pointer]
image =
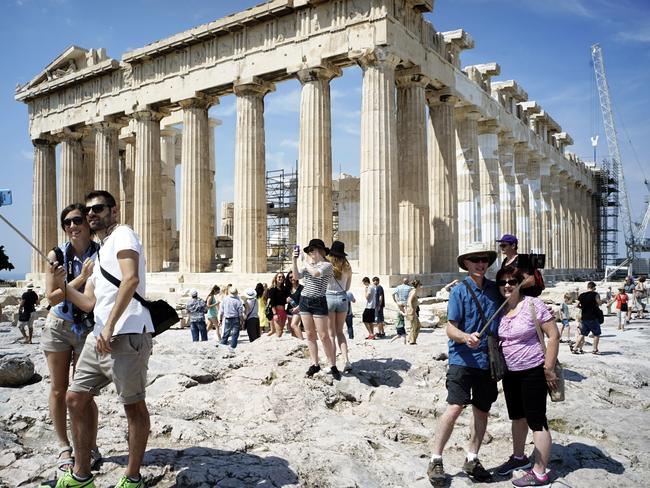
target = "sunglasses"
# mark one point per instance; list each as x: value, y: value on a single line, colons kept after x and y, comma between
x: 504, y: 245
x: 98, y: 208
x: 478, y: 259
x: 73, y: 220
x: 507, y: 282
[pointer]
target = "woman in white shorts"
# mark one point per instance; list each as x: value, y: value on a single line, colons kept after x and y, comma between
x: 64, y: 334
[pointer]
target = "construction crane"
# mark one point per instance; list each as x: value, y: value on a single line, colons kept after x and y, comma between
x: 634, y: 233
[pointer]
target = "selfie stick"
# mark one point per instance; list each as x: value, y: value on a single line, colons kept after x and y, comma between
x: 26, y: 239
x: 496, y: 313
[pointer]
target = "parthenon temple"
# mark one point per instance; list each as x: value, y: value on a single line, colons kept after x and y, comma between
x: 448, y: 156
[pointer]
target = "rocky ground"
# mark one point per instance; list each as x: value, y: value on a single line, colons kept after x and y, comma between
x: 254, y: 420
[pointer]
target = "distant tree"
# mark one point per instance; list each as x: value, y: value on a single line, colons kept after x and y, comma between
x: 4, y: 260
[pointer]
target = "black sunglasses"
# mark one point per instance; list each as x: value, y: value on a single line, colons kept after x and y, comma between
x: 512, y: 282
x: 478, y: 259
x: 504, y: 245
x: 98, y: 208
x: 73, y: 220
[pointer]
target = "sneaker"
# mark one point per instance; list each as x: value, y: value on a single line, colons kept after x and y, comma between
x: 313, y: 369
x: 511, y: 464
x: 370, y: 337
x: 336, y: 374
x: 436, y: 473
x: 529, y: 479
x: 475, y: 470
x: 69, y: 481
x: 127, y: 483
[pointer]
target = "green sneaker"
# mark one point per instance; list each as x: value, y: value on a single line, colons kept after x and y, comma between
x: 125, y: 482
x: 69, y: 481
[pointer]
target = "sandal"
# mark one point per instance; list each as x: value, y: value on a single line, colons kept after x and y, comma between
x: 95, y: 458
x: 65, y: 464
x: 596, y: 352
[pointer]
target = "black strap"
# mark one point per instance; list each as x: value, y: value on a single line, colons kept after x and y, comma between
x: 117, y: 282
x: 478, y: 304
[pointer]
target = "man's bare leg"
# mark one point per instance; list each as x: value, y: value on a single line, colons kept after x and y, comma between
x: 137, y: 416
x: 83, y: 422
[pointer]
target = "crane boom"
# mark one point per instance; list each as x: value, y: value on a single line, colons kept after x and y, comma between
x: 612, y: 144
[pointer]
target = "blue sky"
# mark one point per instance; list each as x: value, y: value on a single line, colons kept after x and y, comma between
x: 544, y: 45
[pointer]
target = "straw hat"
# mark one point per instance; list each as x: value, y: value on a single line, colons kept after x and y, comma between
x: 476, y: 248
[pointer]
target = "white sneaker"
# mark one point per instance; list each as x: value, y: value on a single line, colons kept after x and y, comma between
x: 231, y: 350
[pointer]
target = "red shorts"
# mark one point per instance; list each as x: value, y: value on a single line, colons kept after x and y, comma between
x: 280, y: 315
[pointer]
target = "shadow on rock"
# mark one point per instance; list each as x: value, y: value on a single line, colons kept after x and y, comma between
x: 570, y: 375
x: 575, y: 456
x: 196, y: 467
x: 380, y: 371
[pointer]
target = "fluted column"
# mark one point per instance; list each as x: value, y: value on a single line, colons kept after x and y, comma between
x: 414, y: 250
x: 573, y: 230
x: 196, y: 246
x: 488, y: 152
x: 127, y: 175
x: 168, y: 137
x: 584, y: 244
x: 147, y: 198
x: 315, y: 155
x: 467, y: 168
x: 556, y: 221
x: 88, y: 157
x: 44, y: 215
x: 107, y: 158
x: 522, y: 205
x: 71, y: 173
x: 443, y: 186
x: 508, y: 220
x: 534, y: 202
x: 212, y: 124
x: 565, y: 227
x: 378, y: 245
x: 249, y: 234
x: 546, y: 209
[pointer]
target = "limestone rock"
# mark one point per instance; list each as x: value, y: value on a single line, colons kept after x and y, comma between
x: 15, y: 370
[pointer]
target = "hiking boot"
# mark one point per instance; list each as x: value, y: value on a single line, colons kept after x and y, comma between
x: 125, y: 482
x: 336, y: 374
x: 511, y: 464
x: 476, y: 471
x: 313, y: 369
x: 529, y: 479
x: 69, y: 481
x: 436, y: 473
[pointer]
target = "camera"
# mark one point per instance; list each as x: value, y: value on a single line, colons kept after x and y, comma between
x: 531, y: 261
x: 5, y: 198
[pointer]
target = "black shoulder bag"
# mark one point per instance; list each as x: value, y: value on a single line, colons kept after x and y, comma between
x: 163, y: 315
x: 495, y: 354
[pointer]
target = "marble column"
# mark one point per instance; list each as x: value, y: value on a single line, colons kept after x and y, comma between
x: 488, y: 157
x: 522, y: 200
x: 314, y: 216
x: 535, y: 221
x: 147, y: 198
x: 196, y: 246
x: 212, y: 124
x: 44, y: 215
x: 546, y: 209
x: 443, y: 186
x: 71, y: 173
x: 107, y: 169
x: 127, y: 174
x: 572, y: 229
x: 565, y: 227
x: 508, y: 218
x: 88, y: 156
x: 168, y: 138
x: 467, y: 169
x: 249, y: 234
x: 378, y: 233
x: 412, y: 178
x: 556, y: 218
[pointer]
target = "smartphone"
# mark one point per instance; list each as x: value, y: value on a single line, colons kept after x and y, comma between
x: 296, y: 250
x: 5, y: 198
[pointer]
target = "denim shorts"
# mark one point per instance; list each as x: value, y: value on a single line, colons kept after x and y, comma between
x: 313, y: 306
x: 337, y: 301
x: 379, y: 315
x: 590, y: 326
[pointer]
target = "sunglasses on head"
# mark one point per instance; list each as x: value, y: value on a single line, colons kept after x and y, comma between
x: 511, y: 282
x: 478, y: 259
x: 98, y: 208
x: 73, y: 220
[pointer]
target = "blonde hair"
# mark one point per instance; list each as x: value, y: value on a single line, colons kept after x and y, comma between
x: 340, y: 265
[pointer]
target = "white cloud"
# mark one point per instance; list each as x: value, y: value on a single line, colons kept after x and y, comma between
x: 283, y: 103
x: 25, y: 154
x: 641, y: 34
x: 289, y: 143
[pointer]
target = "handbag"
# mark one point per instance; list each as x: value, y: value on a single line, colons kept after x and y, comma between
x: 496, y: 360
x: 556, y: 395
x: 163, y: 315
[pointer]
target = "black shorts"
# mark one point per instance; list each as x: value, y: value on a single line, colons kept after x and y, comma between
x: 313, y: 306
x: 368, y: 316
x: 473, y: 386
x: 525, y: 393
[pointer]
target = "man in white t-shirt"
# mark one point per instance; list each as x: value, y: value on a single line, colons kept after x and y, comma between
x: 118, y: 350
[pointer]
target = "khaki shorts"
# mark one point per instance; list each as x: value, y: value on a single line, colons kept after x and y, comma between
x: 58, y: 336
x: 126, y: 366
x: 26, y: 323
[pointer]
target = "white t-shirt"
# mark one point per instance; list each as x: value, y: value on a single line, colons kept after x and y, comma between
x: 135, y: 317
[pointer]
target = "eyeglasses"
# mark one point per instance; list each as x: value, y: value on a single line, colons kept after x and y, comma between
x: 73, y: 220
x: 98, y: 208
x: 478, y: 259
x: 512, y: 282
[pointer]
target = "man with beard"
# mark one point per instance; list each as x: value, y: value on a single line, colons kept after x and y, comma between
x: 118, y: 350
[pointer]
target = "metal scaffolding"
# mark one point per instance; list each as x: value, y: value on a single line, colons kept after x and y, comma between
x: 607, y: 219
x: 281, y: 207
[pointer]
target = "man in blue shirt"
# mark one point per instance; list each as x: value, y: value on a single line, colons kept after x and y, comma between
x: 468, y: 376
